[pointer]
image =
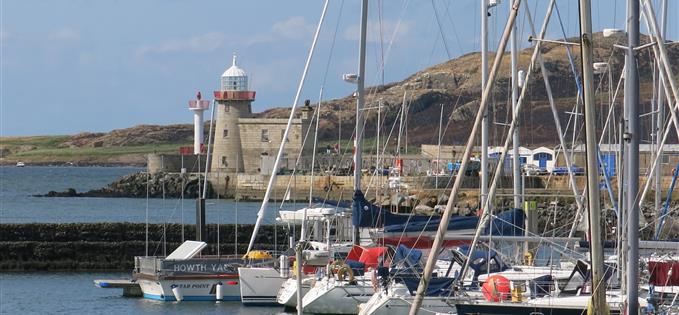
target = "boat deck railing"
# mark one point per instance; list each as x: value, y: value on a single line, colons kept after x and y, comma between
x: 206, y: 265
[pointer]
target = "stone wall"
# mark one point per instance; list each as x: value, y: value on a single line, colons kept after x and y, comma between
x: 112, y: 246
x: 173, y: 163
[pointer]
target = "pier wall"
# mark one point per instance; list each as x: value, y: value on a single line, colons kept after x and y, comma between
x: 174, y: 163
x: 112, y: 246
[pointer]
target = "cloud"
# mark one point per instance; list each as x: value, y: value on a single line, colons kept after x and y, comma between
x: 295, y: 27
x: 65, y: 34
x: 201, y: 43
x: 292, y: 28
x: 390, y: 29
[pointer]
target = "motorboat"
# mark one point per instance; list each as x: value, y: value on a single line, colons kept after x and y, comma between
x: 182, y: 276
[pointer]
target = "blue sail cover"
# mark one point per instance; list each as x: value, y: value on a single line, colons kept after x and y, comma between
x: 437, y: 286
x: 507, y: 223
x: 455, y: 223
x: 366, y: 214
x: 481, y: 265
x: 410, y: 256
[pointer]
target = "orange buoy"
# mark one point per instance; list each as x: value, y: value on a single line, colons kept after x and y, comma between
x: 496, y: 288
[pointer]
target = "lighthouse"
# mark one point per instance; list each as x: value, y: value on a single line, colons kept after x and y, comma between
x: 233, y: 103
x: 198, y: 106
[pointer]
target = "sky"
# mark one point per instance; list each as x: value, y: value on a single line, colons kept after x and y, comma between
x: 93, y: 66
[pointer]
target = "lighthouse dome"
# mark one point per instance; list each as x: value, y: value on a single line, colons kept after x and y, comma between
x: 234, y: 78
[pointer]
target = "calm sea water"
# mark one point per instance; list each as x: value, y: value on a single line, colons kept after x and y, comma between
x: 75, y: 293
x: 17, y: 205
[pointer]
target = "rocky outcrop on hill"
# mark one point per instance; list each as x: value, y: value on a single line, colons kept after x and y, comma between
x: 455, y: 85
x: 141, y: 185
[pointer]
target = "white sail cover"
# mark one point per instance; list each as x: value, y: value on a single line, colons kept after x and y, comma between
x: 187, y: 250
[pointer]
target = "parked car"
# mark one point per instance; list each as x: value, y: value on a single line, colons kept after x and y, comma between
x: 562, y: 170
x: 533, y: 170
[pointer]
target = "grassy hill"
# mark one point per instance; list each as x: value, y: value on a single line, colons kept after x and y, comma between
x: 47, y: 150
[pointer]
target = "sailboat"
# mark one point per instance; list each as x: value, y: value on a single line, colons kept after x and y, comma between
x: 261, y: 285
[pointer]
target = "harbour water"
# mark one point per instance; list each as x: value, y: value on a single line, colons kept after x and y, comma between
x: 17, y: 204
x: 74, y: 292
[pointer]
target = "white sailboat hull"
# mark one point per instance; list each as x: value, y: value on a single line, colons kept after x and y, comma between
x: 397, y: 303
x: 331, y: 296
x: 259, y: 286
x: 287, y: 295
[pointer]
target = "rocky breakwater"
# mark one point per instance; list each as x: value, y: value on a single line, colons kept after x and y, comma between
x: 142, y: 184
x: 558, y: 217
x: 112, y: 246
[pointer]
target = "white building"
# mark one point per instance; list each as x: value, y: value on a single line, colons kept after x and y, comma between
x: 541, y: 157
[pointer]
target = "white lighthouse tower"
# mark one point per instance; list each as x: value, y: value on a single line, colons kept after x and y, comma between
x: 198, y: 106
x: 233, y: 103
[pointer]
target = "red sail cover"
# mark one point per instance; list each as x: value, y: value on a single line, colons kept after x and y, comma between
x: 367, y: 256
x: 664, y: 273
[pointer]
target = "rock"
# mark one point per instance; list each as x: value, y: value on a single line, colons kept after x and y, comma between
x: 424, y: 209
x: 442, y: 199
x: 168, y: 185
x: 66, y: 193
x: 430, y: 202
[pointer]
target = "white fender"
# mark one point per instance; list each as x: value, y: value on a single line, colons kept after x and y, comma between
x: 284, y: 265
x: 178, y: 295
x: 219, y: 291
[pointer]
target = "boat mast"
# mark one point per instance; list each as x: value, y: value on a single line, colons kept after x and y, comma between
x: 632, y: 148
x: 360, y: 102
x: 660, y: 117
x: 281, y: 149
x: 485, y: 123
x: 445, y: 218
x: 596, y: 251
x: 661, y: 53
x: 669, y: 84
x: 300, y: 245
x: 516, y: 163
x: 552, y: 105
x: 201, y: 227
x: 313, y: 152
x: 512, y: 126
